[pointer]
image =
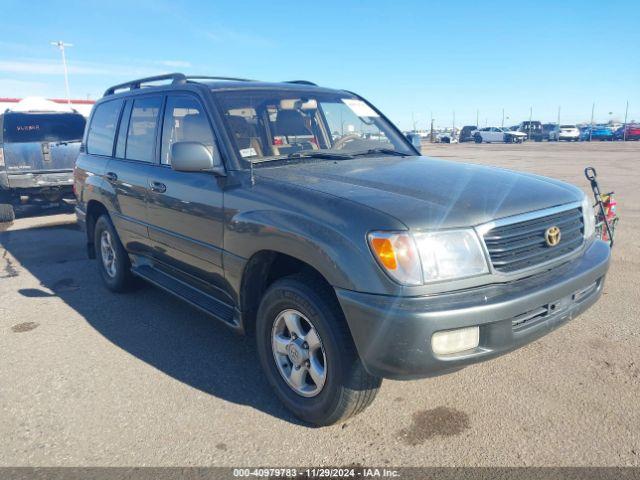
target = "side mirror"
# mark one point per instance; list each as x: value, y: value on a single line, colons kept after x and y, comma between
x: 193, y: 157
x: 415, y: 140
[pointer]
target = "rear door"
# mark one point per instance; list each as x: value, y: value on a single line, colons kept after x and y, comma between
x: 186, y: 217
x: 41, y: 142
x: 128, y: 171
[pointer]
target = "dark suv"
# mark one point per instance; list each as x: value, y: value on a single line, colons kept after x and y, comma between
x: 302, y: 215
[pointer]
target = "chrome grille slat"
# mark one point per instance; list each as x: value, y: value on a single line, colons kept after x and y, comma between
x: 532, y: 228
x: 520, y: 245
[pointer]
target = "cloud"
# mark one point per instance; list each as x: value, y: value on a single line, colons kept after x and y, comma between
x: 50, y: 67
x: 11, y: 87
x: 175, y: 63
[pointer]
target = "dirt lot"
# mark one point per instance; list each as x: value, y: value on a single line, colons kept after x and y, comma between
x: 92, y: 378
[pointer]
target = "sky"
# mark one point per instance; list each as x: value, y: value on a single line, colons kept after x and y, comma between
x: 415, y: 60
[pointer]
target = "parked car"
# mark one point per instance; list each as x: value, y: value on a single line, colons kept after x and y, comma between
x: 498, y: 134
x: 632, y: 132
x: 466, y: 134
x: 547, y: 128
x: 570, y: 133
x: 350, y: 259
x: 38, y: 150
x: 598, y: 132
x: 533, y: 130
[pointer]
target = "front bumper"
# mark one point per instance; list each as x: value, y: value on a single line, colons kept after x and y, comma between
x: 393, y: 334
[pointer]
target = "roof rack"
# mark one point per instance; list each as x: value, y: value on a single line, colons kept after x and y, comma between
x: 177, y: 78
x: 302, y: 82
x: 205, y: 77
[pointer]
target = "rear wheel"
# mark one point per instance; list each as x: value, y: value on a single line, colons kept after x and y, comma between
x: 113, y: 261
x: 308, y: 355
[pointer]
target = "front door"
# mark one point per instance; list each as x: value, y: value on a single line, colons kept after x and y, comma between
x: 186, y: 208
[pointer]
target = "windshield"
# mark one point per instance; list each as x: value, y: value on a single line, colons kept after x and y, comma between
x: 43, y: 127
x: 273, y: 124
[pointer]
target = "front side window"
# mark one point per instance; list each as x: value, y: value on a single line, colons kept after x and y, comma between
x: 184, y: 121
x: 141, y: 136
x: 273, y: 124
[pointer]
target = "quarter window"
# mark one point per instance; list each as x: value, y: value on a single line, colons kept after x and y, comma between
x: 103, y: 128
x: 142, y: 129
x: 184, y: 121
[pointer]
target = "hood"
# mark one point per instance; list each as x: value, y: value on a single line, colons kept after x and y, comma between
x: 426, y: 193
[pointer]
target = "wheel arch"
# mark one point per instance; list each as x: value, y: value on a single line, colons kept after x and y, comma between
x: 95, y: 209
x: 263, y: 269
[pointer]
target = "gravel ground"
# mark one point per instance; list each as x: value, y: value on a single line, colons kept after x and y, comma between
x: 92, y: 378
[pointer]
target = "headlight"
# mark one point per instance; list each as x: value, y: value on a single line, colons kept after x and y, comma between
x: 429, y: 256
x: 450, y: 254
x: 589, y: 218
x: 397, y: 254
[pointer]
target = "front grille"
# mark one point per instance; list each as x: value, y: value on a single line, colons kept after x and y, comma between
x: 521, y: 245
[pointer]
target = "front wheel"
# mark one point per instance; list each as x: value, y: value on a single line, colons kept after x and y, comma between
x: 308, y: 355
x: 477, y: 139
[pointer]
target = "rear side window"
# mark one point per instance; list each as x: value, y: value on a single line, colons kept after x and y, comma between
x: 43, y: 127
x: 102, y: 130
x: 141, y: 136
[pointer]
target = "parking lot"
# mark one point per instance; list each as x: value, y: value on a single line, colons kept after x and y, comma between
x: 88, y: 377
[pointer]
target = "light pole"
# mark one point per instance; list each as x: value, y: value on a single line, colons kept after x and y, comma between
x: 624, y: 127
x: 593, y: 107
x: 61, y: 45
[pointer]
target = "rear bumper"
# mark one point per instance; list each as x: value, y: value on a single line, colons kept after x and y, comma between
x: 36, y: 188
x: 393, y: 334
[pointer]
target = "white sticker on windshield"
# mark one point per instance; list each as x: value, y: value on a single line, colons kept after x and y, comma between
x: 248, y: 152
x: 360, y: 108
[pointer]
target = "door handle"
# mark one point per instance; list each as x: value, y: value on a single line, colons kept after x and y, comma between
x: 111, y: 176
x: 157, y: 187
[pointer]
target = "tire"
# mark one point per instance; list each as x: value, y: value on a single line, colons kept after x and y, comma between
x: 477, y: 139
x: 347, y: 389
x: 7, y: 214
x: 119, y: 278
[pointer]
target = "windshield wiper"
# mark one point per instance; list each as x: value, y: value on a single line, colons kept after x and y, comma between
x: 384, y: 151
x: 314, y: 154
x: 66, y: 142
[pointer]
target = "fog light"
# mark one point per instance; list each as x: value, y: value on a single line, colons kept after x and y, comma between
x: 454, y: 341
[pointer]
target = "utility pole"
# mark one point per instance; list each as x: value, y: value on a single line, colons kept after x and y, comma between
x: 624, y: 127
x: 502, y: 124
x: 593, y: 107
x: 453, y: 125
x: 431, y: 134
x: 558, y: 116
x: 61, y: 45
x: 530, y: 117
x: 478, y: 118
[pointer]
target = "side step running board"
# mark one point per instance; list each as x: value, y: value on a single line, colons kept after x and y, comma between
x: 189, y: 294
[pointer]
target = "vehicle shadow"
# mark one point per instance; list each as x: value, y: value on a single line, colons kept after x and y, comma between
x: 151, y: 325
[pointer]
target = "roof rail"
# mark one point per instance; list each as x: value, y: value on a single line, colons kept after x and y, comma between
x: 177, y: 78
x: 205, y: 77
x: 302, y: 82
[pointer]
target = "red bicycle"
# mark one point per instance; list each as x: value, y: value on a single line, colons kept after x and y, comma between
x: 606, y: 208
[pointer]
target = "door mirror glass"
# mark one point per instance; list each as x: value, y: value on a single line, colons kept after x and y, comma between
x: 191, y: 157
